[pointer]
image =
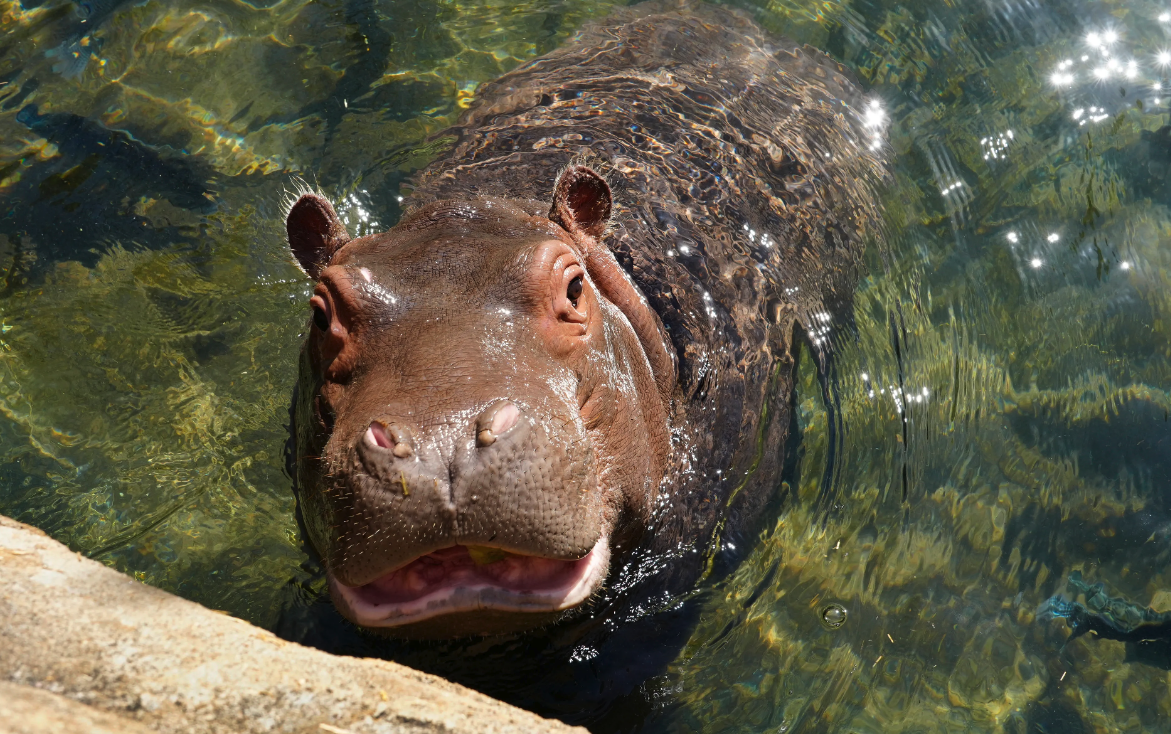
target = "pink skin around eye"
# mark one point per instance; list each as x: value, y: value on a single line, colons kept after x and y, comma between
x: 564, y: 327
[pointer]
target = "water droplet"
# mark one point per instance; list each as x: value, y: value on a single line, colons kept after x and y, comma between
x: 833, y: 616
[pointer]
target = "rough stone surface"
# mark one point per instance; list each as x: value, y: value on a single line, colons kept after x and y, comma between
x: 86, y: 634
x: 28, y: 710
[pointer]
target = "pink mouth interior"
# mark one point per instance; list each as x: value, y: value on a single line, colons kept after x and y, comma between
x: 454, y: 567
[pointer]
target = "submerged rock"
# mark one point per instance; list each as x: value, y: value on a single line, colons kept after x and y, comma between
x: 1147, y: 633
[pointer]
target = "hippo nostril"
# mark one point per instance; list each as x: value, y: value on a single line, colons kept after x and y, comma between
x: 505, y: 418
x: 376, y: 436
x: 395, y: 438
x: 494, y: 421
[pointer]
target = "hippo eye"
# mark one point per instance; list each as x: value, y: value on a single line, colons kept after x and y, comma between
x: 573, y: 291
x: 320, y: 318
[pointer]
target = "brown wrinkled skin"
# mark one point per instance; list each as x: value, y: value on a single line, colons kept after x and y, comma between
x: 664, y: 425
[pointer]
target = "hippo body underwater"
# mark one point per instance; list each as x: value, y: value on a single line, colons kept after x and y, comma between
x: 543, y: 405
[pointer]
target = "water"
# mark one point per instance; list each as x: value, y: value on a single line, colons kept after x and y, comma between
x: 996, y: 418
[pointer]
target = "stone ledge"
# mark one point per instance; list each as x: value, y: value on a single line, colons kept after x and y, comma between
x: 113, y: 647
x: 28, y: 710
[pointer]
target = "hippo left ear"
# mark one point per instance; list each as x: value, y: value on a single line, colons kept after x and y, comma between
x: 581, y: 201
x: 315, y: 233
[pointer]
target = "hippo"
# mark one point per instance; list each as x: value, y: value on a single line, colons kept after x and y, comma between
x: 558, y: 392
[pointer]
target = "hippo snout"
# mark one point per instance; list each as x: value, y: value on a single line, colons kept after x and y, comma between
x: 398, y: 439
x: 403, y: 458
x: 499, y: 480
x: 489, y: 507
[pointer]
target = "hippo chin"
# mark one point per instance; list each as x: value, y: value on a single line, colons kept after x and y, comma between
x: 568, y: 369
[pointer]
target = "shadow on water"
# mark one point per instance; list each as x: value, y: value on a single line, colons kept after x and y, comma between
x: 85, y: 195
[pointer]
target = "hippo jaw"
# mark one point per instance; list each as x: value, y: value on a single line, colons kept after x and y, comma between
x: 482, y: 412
x: 459, y: 580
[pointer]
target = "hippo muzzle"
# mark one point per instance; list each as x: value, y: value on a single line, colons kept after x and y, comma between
x: 502, y: 514
x: 481, y: 416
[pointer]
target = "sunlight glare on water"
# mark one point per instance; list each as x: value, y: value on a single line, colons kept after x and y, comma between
x: 994, y: 419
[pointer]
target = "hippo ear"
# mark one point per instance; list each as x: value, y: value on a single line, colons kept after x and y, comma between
x: 315, y: 233
x: 581, y: 204
x: 581, y: 201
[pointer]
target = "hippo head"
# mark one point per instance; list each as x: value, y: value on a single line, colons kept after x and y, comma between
x: 482, y: 413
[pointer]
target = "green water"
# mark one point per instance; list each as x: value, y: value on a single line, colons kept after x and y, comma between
x: 998, y: 417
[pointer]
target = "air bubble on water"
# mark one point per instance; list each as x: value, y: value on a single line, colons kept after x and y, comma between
x: 833, y: 616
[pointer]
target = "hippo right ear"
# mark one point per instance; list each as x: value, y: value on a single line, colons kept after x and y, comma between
x: 581, y: 201
x: 315, y: 233
x: 582, y: 205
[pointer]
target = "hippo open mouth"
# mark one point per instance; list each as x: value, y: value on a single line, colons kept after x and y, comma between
x: 471, y: 578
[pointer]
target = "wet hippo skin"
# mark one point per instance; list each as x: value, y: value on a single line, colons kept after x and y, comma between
x: 491, y: 422
x: 552, y: 394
